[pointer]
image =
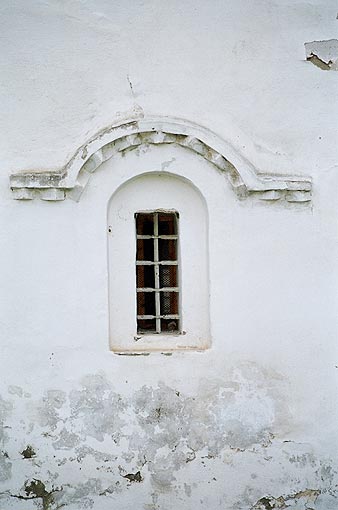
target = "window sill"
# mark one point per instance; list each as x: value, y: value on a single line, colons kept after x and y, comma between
x: 167, y: 342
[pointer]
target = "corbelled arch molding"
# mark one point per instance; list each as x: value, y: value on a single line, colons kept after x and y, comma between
x: 71, y: 180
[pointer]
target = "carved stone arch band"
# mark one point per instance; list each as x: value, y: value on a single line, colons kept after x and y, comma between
x: 71, y: 180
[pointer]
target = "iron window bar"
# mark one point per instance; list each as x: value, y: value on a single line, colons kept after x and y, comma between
x: 165, y: 303
x: 157, y: 263
x: 172, y: 316
x: 151, y: 289
x: 163, y: 236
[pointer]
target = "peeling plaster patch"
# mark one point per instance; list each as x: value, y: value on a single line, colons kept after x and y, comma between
x: 84, y: 451
x: 240, y: 437
x: 48, y: 409
x: 6, y: 408
x: 28, y: 452
x: 97, y: 407
x: 319, y: 63
x: 300, y: 500
x: 115, y: 488
x: 35, y: 490
x: 66, y: 440
x: 5, y: 466
x: 162, y: 475
x: 83, y: 494
x: 134, y: 477
x: 176, y: 429
x: 323, y: 54
x: 165, y: 446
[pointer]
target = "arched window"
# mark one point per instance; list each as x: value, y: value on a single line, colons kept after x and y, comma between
x: 158, y: 265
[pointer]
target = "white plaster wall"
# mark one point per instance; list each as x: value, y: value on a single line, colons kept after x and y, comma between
x: 254, y: 417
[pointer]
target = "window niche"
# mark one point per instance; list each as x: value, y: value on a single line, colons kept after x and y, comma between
x: 158, y: 265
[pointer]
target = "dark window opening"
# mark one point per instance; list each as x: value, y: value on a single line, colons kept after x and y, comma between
x: 157, y: 287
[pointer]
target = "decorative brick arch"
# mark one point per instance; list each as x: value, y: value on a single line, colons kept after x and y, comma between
x: 243, y: 177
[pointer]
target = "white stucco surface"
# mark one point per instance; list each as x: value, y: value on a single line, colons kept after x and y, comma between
x: 251, y: 422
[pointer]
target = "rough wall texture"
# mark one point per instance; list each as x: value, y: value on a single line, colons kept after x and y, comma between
x: 91, y: 446
x: 251, y: 423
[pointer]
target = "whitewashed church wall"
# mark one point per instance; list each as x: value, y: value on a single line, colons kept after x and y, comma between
x: 249, y: 423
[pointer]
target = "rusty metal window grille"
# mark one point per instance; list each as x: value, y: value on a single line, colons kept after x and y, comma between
x: 157, y: 272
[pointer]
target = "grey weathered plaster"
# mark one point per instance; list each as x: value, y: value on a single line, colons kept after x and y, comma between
x: 6, y: 407
x: 48, y: 408
x: 92, y: 445
x: 5, y: 466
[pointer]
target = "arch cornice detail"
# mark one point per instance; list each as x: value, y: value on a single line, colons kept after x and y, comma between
x: 71, y: 180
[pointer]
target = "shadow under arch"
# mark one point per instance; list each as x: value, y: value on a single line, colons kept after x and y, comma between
x: 156, y: 173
